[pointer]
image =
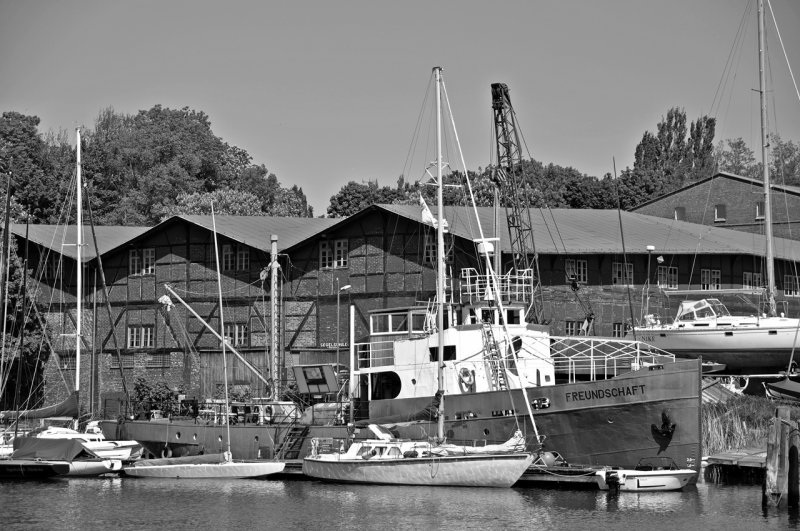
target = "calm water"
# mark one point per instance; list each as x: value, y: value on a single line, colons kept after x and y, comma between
x: 129, y: 503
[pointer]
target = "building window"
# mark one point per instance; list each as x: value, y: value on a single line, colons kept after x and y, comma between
x: 710, y: 279
x: 333, y: 254
x: 617, y: 330
x: 429, y: 256
x: 159, y: 360
x: 618, y: 278
x: 142, y: 261
x: 68, y: 361
x: 751, y: 280
x: 134, y: 262
x: 228, y: 258
x: 140, y: 336
x: 571, y: 328
x: 791, y: 286
x: 680, y: 213
x: 242, y: 257
x: 127, y: 361
x: 719, y: 212
x: 667, y: 277
x: 577, y: 270
x: 759, y: 209
x: 236, y: 334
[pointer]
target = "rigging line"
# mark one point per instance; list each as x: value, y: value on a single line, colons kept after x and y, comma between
x: 626, y: 280
x: 734, y: 52
x: 412, y: 148
x: 523, y: 380
x: 783, y: 48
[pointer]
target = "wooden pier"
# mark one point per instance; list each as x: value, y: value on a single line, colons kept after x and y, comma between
x: 782, y: 483
x: 748, y: 465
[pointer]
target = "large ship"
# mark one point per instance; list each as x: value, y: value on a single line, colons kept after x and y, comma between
x: 593, y: 401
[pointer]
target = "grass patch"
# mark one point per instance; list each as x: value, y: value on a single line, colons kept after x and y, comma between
x: 742, y: 422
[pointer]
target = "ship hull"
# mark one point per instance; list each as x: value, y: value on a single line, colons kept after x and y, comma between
x: 614, y: 422
x: 617, y: 422
x: 742, y: 350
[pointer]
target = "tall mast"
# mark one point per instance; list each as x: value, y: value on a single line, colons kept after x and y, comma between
x: 222, y: 333
x: 78, y: 253
x: 439, y: 253
x: 762, y: 89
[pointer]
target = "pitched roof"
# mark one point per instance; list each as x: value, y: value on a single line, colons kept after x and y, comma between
x: 793, y: 190
x: 62, y: 238
x: 254, y: 231
x: 587, y: 231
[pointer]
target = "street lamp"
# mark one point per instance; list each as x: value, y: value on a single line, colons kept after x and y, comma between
x: 339, y: 291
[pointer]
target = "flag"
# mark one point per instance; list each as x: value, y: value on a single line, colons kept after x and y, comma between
x: 427, y: 215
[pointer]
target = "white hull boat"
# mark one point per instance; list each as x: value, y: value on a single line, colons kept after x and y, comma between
x: 390, y: 461
x: 94, y: 442
x: 743, y: 344
x: 654, y: 474
x: 214, y: 467
x: 64, y: 452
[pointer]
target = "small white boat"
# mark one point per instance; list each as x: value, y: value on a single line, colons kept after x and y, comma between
x: 93, y: 441
x: 390, y: 461
x: 651, y: 474
x: 205, y: 466
x: 70, y: 452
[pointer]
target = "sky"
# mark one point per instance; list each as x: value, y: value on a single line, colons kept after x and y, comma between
x: 325, y: 92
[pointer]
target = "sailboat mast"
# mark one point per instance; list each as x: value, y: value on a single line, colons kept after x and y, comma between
x: 78, y: 253
x: 762, y: 88
x: 439, y: 255
x: 222, y: 333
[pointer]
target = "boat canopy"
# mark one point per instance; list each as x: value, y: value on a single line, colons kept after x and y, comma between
x: 702, y: 309
x: 49, y: 449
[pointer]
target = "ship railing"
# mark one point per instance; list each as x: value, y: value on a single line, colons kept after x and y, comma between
x: 374, y: 354
x: 515, y: 286
x: 592, y: 358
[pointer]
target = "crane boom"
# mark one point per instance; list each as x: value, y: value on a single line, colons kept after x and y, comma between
x: 514, y: 193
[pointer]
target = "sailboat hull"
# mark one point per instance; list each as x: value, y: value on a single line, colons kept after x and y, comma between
x: 461, y: 471
x: 757, y: 350
x: 232, y: 470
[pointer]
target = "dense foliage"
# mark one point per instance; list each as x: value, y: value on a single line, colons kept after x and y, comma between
x: 139, y: 169
x: 664, y: 160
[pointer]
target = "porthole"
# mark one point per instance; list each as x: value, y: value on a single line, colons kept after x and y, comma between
x: 194, y: 437
x: 486, y: 431
x: 256, y: 438
x: 177, y: 435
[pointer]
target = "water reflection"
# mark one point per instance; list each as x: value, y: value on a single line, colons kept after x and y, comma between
x: 256, y: 504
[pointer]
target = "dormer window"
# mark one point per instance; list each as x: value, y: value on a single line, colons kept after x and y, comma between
x: 719, y: 213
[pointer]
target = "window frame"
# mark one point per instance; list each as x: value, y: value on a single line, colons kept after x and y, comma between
x: 759, y: 210
x: 334, y: 254
x: 616, y: 278
x: 679, y: 213
x: 791, y: 286
x: 572, y: 328
x: 578, y: 268
x: 669, y: 274
x: 710, y: 279
x: 720, y: 213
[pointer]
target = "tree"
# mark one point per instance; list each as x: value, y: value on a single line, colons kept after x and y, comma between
x: 38, y: 184
x: 353, y: 197
x: 735, y: 157
x: 226, y: 203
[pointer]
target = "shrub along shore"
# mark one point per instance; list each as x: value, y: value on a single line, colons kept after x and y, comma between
x: 741, y: 422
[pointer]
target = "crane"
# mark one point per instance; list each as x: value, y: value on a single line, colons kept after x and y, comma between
x: 513, y: 191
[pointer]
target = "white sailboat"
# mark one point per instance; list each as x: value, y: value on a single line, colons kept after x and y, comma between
x: 215, y: 465
x: 752, y: 344
x: 391, y: 461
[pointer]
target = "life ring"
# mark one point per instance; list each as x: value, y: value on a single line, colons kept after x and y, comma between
x: 466, y: 380
x: 166, y: 452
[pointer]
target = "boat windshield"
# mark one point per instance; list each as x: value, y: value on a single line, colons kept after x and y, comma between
x: 719, y: 308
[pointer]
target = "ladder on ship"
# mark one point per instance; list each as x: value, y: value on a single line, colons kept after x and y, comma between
x: 289, y: 448
x: 493, y: 357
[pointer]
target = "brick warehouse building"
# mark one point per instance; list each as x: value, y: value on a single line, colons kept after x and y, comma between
x: 730, y: 201
x: 384, y: 254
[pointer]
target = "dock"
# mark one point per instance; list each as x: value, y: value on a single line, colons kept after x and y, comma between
x: 748, y: 465
x: 560, y: 476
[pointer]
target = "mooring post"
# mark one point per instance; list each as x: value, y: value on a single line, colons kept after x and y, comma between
x: 776, y: 480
